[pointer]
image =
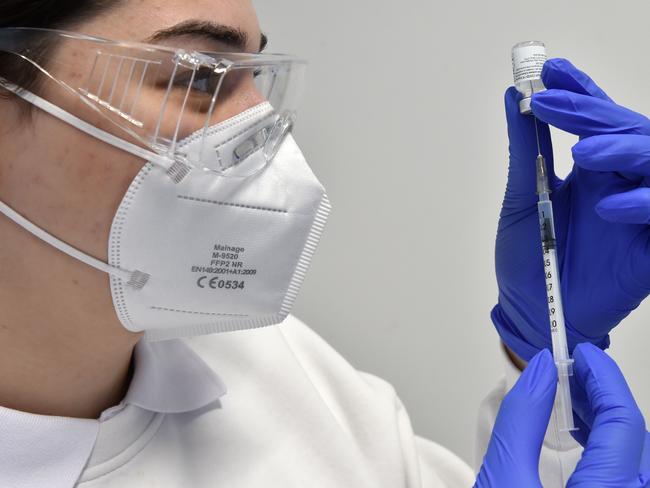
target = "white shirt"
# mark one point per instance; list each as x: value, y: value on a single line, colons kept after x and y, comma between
x: 42, y: 451
x: 296, y: 414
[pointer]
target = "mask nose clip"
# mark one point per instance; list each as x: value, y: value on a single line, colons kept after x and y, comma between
x: 280, y: 130
x: 250, y: 145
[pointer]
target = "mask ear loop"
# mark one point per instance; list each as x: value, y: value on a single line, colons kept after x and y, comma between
x: 136, y: 279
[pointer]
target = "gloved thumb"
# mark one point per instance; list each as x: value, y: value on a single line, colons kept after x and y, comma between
x: 512, y: 458
x: 521, y: 189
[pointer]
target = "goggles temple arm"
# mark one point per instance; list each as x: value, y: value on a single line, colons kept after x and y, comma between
x: 67, y: 117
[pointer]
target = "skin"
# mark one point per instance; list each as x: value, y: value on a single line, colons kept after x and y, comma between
x: 514, y: 359
x: 63, y: 351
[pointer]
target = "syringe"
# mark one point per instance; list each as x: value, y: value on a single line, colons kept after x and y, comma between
x: 528, y: 60
x: 563, y: 406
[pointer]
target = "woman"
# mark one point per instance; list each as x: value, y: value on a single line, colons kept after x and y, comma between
x: 148, y: 188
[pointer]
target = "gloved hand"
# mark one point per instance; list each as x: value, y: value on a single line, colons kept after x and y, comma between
x: 612, y: 427
x: 602, y: 212
x: 512, y: 457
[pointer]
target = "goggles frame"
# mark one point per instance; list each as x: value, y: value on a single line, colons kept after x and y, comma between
x: 120, y: 75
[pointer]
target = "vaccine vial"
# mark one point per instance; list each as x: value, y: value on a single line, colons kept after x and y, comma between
x: 528, y: 59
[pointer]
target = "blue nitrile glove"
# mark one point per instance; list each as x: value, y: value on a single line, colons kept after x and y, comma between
x: 602, y: 212
x: 512, y: 457
x: 612, y: 428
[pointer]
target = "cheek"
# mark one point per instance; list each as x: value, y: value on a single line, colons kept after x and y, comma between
x: 72, y: 186
x: 97, y: 177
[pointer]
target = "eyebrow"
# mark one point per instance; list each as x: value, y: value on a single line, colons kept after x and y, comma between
x: 224, y: 34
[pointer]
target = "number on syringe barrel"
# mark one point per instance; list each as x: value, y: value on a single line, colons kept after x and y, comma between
x: 547, y: 232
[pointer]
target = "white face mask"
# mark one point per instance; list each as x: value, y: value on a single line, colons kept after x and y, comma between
x: 207, y: 253
x: 223, y: 253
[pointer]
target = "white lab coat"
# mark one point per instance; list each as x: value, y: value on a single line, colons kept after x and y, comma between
x: 295, y: 414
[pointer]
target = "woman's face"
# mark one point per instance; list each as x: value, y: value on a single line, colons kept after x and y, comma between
x: 71, y: 184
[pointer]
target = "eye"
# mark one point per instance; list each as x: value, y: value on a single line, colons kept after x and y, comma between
x: 205, y: 80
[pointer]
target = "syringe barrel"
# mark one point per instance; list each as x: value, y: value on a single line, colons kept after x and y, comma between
x: 555, y: 308
x: 541, y: 172
x: 564, y: 363
x: 528, y: 59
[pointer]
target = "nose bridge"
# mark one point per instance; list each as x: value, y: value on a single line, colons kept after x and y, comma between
x: 236, y: 92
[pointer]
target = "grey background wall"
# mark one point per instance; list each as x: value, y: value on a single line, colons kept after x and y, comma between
x: 403, y: 122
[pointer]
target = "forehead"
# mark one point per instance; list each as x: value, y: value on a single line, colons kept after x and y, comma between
x: 139, y: 20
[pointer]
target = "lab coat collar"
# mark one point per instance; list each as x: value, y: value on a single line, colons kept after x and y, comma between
x: 38, y: 450
x: 170, y: 378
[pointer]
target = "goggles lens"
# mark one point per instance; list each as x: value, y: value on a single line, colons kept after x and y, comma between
x: 156, y: 96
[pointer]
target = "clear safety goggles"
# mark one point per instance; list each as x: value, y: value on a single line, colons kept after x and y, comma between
x: 147, y: 98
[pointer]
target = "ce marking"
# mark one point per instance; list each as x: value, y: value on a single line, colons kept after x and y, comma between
x: 212, y: 283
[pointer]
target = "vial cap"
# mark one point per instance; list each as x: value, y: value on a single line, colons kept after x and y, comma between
x: 524, y: 106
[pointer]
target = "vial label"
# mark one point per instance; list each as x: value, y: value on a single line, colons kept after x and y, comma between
x: 527, y: 63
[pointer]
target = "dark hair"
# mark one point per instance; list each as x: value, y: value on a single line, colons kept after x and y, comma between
x: 48, y: 14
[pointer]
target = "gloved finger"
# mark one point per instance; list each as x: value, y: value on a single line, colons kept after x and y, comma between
x: 623, y: 153
x: 644, y: 471
x: 559, y: 73
x: 521, y: 187
x: 632, y: 207
x: 613, y: 452
x: 587, y: 116
x: 518, y: 434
